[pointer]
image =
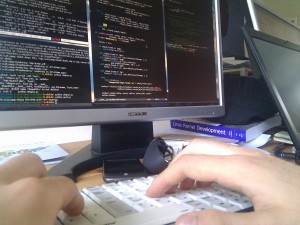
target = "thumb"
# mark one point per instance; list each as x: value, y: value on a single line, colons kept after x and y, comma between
x: 213, y: 217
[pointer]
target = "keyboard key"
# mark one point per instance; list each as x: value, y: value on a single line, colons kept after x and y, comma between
x: 197, y: 205
x: 155, y: 216
x: 94, y: 213
x: 227, y: 207
x: 180, y: 197
x: 195, y: 194
x: 73, y: 220
x: 243, y: 203
x: 142, y: 205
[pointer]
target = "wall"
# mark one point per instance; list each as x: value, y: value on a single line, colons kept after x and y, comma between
x: 288, y: 9
x: 271, y: 22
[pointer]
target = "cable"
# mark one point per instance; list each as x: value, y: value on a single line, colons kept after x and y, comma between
x: 277, y: 151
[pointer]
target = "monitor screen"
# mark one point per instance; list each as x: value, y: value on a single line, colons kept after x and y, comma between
x: 71, y: 62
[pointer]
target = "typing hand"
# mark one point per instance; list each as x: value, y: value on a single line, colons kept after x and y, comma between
x: 29, y: 197
x: 272, y: 184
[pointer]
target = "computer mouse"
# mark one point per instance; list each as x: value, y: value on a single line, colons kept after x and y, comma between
x: 157, y: 156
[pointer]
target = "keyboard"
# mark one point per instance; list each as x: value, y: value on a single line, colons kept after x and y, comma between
x: 125, y: 203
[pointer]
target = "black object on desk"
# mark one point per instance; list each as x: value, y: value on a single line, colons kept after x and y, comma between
x: 278, y: 151
x: 157, y: 156
x: 115, y: 170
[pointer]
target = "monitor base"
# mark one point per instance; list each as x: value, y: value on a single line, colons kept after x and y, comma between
x: 109, y: 141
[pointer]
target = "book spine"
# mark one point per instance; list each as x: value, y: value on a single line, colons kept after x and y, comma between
x: 218, y: 131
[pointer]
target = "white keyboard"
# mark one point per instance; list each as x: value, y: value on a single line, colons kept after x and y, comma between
x: 125, y: 203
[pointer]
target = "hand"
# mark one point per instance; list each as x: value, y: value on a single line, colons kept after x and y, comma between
x: 29, y: 197
x: 272, y: 184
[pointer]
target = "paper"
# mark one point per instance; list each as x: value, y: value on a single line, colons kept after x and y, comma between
x: 231, y: 62
x: 257, y: 142
x: 45, y: 150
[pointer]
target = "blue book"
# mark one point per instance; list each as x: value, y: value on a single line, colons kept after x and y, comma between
x: 243, y: 133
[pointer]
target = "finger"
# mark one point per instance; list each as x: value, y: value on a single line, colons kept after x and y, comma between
x: 25, y: 165
x: 212, y: 217
x: 187, y: 184
x: 200, y: 184
x: 50, y: 194
x: 71, y: 201
x: 225, y: 170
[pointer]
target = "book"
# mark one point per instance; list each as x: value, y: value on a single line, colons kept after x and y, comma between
x: 243, y: 133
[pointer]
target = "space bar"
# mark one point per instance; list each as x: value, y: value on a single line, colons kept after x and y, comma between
x: 154, y: 216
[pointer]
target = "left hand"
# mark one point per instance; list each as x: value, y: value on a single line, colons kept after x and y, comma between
x: 29, y: 197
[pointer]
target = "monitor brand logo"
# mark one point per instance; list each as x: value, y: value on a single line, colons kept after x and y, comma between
x: 137, y: 113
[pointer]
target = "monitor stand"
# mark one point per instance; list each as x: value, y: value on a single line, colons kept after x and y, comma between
x: 109, y: 141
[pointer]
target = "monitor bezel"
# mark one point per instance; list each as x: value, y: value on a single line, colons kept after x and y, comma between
x: 30, y: 119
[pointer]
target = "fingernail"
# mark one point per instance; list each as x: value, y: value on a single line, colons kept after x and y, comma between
x: 189, y: 219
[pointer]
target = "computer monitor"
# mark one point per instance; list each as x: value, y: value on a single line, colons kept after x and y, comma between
x: 116, y: 65
x: 277, y: 61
